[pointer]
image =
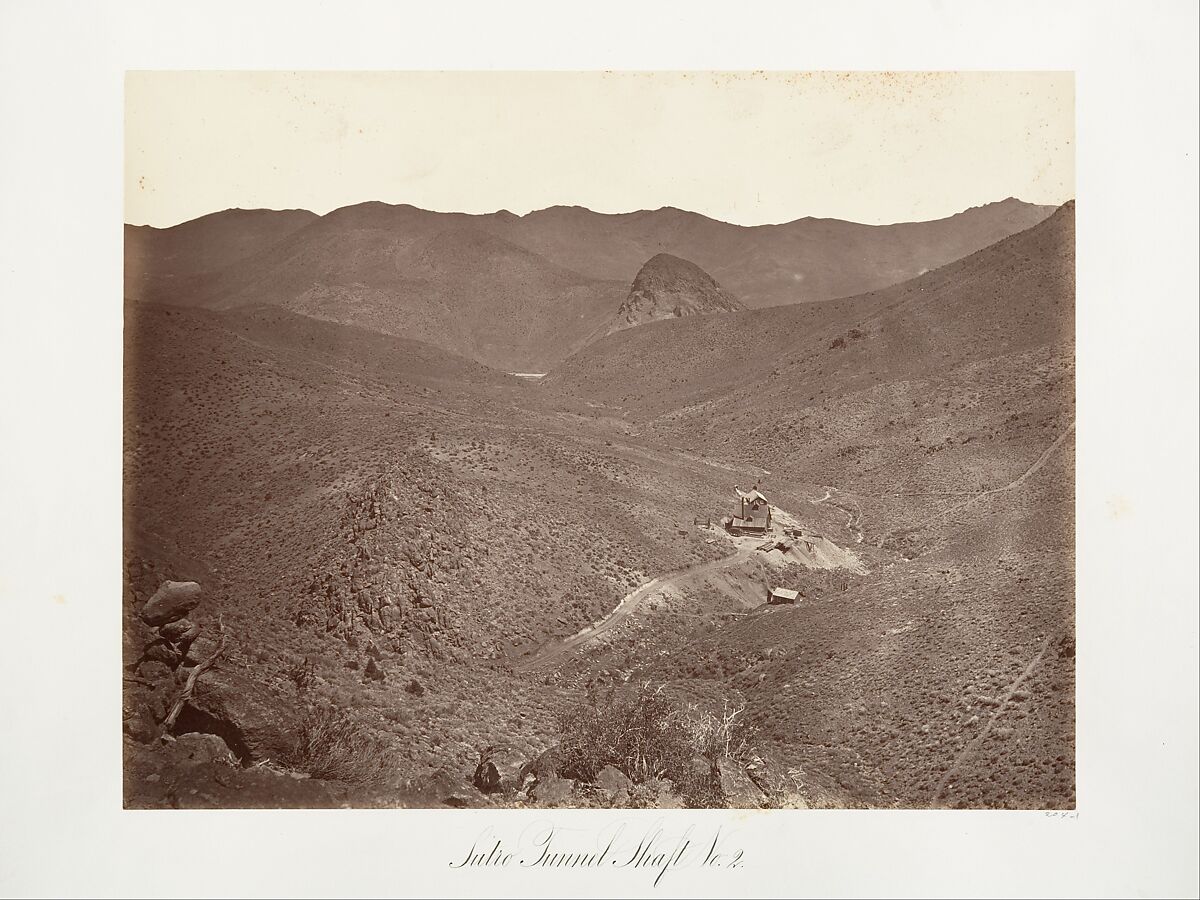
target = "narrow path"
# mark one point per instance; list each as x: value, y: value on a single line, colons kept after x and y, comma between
x: 975, y: 742
x: 623, y: 610
x: 852, y: 518
x: 1015, y: 483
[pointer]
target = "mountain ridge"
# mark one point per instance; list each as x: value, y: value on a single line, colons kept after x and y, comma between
x: 549, y: 289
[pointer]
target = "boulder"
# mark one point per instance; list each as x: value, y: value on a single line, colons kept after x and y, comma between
x: 162, y: 652
x: 172, y: 601
x: 739, y: 789
x: 183, y: 631
x: 613, y: 780
x: 552, y: 791
x: 155, y: 671
x: 204, y: 748
x: 373, y: 671
x: 252, y: 721
x: 140, y: 726
x: 199, y: 650
x: 544, y: 765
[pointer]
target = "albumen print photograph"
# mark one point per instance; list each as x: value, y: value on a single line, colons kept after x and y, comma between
x: 634, y: 439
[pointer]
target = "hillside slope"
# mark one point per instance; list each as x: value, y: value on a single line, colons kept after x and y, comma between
x: 767, y: 265
x: 350, y: 499
x: 937, y: 417
x: 1013, y: 296
x: 393, y: 532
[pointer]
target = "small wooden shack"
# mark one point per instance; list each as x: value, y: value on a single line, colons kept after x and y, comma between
x: 782, y: 595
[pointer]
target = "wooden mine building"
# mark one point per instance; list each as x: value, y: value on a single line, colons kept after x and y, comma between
x: 754, y: 513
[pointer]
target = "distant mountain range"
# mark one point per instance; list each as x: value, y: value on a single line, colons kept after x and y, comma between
x: 523, y: 293
x: 991, y: 335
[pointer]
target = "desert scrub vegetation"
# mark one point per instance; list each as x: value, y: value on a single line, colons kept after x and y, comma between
x: 649, y: 737
x: 331, y: 745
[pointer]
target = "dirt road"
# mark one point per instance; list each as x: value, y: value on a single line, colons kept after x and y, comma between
x: 555, y: 651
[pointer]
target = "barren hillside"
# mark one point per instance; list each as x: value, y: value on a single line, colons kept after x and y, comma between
x: 445, y: 564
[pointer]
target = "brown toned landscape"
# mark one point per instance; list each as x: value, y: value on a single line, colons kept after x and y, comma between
x: 430, y: 509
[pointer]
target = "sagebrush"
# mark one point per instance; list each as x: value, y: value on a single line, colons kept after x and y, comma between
x: 333, y: 746
x: 647, y: 736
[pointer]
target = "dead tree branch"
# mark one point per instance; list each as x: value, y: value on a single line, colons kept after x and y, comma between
x: 186, y: 694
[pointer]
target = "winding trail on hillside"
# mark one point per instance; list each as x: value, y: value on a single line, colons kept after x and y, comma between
x: 557, y: 650
x: 1016, y: 482
x: 852, y: 518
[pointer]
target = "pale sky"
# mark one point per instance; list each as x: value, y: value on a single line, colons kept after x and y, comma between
x: 748, y: 148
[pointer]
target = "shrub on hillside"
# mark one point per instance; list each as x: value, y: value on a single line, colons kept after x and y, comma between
x: 648, y: 737
x: 333, y: 746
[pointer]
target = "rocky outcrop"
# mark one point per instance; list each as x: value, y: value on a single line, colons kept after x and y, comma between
x: 249, y: 718
x: 197, y: 772
x: 390, y: 575
x: 668, y: 287
x: 164, y: 651
x: 154, y: 657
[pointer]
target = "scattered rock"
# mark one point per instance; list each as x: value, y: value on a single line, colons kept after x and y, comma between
x: 1066, y: 646
x: 665, y: 796
x: 172, y: 601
